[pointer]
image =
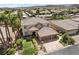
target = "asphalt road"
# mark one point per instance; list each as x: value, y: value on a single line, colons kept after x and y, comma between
x: 72, y: 50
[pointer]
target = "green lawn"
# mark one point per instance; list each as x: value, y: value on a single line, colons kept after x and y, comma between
x: 28, y: 48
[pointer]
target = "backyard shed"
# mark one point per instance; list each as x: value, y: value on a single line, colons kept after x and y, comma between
x: 47, y: 33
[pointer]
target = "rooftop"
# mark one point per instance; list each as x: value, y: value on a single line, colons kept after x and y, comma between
x: 24, y: 15
x: 33, y: 21
x: 76, y: 19
x: 33, y: 29
x: 70, y: 22
x: 46, y: 31
x: 64, y: 24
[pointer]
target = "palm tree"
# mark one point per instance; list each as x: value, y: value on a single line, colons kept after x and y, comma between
x: 38, y: 12
x: 6, y: 19
x: 15, y: 23
x: 1, y: 21
x: 19, y: 15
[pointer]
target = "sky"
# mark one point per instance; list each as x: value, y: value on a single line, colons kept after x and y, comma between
x: 28, y: 3
x: 38, y: 1
x: 20, y: 5
x: 16, y: 5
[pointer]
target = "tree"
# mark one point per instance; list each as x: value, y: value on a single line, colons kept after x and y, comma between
x: 17, y: 25
x: 37, y: 12
x: 2, y: 39
x: 13, y: 23
x: 19, y: 15
x: 5, y: 18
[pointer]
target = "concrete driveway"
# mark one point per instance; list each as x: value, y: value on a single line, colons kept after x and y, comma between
x: 71, y: 50
x: 53, y: 46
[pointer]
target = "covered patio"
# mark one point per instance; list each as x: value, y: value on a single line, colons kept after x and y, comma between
x: 47, y: 34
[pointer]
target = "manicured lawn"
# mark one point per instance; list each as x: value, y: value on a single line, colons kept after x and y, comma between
x: 28, y: 48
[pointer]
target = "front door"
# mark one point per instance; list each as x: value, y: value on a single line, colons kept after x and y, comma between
x: 33, y: 34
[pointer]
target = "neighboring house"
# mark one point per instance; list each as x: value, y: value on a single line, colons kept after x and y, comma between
x: 27, y: 13
x: 45, y: 12
x: 68, y: 26
x: 24, y: 15
x: 45, y: 16
x: 76, y: 19
x: 70, y: 22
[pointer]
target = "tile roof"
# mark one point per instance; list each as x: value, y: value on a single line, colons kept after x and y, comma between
x: 64, y: 24
x: 33, y: 21
x: 46, y: 31
x: 33, y: 29
x: 70, y: 22
x: 76, y: 19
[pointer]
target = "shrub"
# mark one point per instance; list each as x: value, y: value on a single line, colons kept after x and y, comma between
x: 19, y: 41
x: 2, y: 51
x: 35, y: 44
x: 34, y: 41
x: 66, y: 40
x: 11, y: 51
